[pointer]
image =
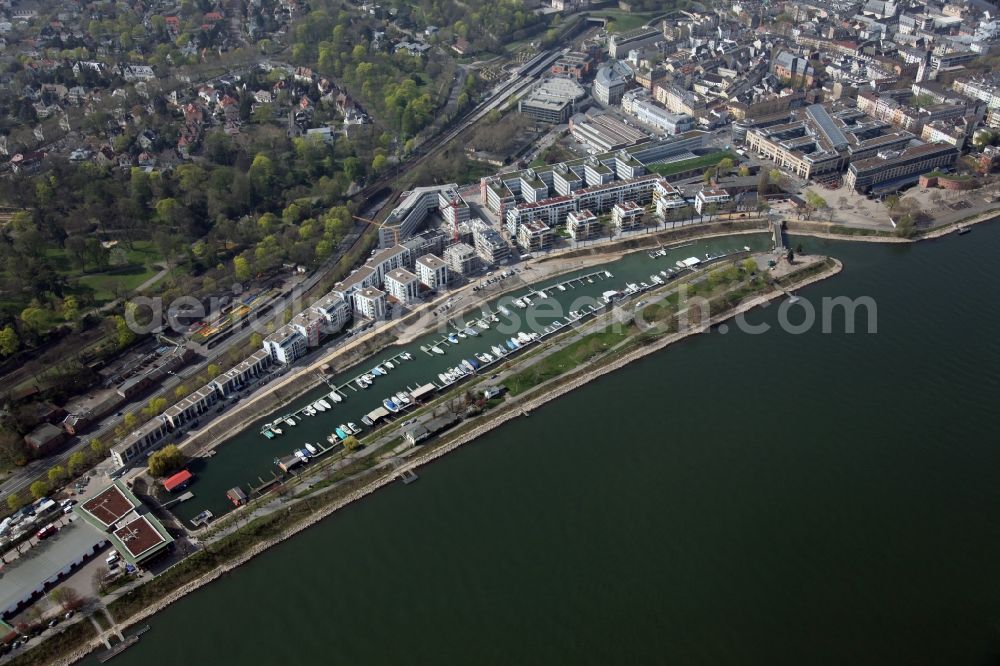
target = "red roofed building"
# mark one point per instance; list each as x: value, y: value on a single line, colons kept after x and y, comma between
x: 177, y: 481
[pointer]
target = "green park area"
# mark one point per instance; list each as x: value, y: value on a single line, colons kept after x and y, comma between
x: 702, y: 161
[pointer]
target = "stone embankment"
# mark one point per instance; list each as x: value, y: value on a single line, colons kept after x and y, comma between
x: 513, y: 409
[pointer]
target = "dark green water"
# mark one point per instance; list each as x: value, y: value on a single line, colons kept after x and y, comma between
x: 248, y: 457
x: 736, y: 499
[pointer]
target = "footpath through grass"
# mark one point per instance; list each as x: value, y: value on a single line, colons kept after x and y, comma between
x: 565, y: 359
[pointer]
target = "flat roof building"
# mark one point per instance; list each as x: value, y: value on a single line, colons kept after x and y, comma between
x: 605, y: 133
x: 627, y: 216
x: 402, y: 285
x: 534, y: 236
x: 490, y: 245
x: 285, y: 345
x: 125, y: 521
x: 582, y: 225
x: 432, y: 271
x: 462, y: 259
x: 370, y: 302
x: 892, y: 170
x: 552, y: 100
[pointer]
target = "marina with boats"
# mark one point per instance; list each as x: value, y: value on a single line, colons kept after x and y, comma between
x: 384, y: 389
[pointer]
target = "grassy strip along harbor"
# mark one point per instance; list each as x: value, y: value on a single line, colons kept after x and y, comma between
x: 638, y: 324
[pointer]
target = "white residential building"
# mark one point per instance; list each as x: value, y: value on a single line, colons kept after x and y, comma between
x: 285, y: 345
x: 626, y: 216
x: 582, y: 225
x: 432, y: 271
x: 402, y: 285
x: 370, y: 302
x: 462, y: 258
x: 706, y: 198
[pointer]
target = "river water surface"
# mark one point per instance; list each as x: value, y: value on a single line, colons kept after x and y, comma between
x: 736, y: 499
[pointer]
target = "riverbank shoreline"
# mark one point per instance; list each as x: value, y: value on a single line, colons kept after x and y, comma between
x: 529, y: 401
x: 309, y: 377
x: 822, y: 230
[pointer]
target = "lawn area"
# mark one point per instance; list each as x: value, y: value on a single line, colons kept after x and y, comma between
x: 694, y: 163
x: 105, y: 287
x: 622, y: 21
x: 128, y: 269
x: 565, y: 359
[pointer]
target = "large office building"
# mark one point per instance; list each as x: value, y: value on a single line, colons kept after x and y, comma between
x: 639, y: 104
x: 552, y: 100
x: 610, y: 82
x: 414, y: 207
x: 621, y: 43
x: 605, y: 132
x: 815, y: 142
x: 891, y: 170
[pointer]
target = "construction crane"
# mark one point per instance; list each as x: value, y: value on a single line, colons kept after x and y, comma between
x: 454, y: 219
x: 395, y: 229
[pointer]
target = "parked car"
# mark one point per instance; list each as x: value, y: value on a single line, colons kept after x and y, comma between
x: 46, y: 532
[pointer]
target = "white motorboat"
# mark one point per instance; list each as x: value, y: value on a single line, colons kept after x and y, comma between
x: 402, y: 398
x: 369, y: 377
x: 312, y: 449
x: 444, y: 378
x: 389, y: 365
x: 561, y: 287
x: 362, y: 382
x: 308, y: 411
x: 276, y: 431
x: 354, y: 427
x: 325, y: 404
x: 335, y: 396
x: 437, y: 350
x: 523, y: 337
x: 504, y: 310
x: 318, y: 407
x: 290, y: 421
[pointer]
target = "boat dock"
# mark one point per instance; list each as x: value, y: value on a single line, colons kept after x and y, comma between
x: 177, y: 500
x: 407, y: 476
x: 124, y: 645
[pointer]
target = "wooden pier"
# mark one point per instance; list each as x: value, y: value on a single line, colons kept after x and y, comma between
x: 121, y: 647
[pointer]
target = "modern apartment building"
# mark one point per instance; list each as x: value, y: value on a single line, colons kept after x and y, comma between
x: 285, y: 345
x: 402, y: 285
x: 534, y: 236
x: 370, y: 303
x: 582, y: 225
x: 627, y: 216
x: 462, y: 259
x: 432, y: 271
